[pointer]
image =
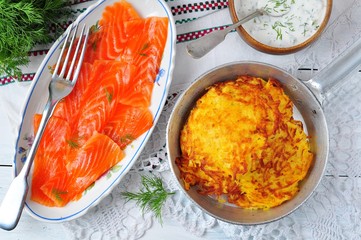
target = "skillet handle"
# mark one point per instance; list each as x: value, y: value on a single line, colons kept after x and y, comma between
x: 334, y: 73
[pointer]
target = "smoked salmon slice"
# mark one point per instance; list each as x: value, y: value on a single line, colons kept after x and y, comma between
x: 143, y: 48
x: 98, y: 155
x: 97, y: 109
x: 50, y: 158
x: 89, y: 162
x: 145, y: 40
x: 139, y: 96
x: 112, y: 24
x: 128, y: 123
x: 36, y: 122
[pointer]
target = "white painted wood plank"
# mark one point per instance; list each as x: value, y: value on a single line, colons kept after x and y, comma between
x: 7, y: 139
x: 28, y: 228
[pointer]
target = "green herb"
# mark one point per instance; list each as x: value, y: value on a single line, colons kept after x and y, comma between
x: 126, y: 138
x: 277, y: 26
x: 95, y: 28
x: 290, y: 26
x: 23, y: 25
x: 267, y: 9
x: 305, y: 30
x: 278, y: 6
x: 151, y: 197
x: 58, y: 194
x: 114, y: 169
x: 281, y: 6
x: 89, y: 188
x: 279, y: 33
x: 289, y: 22
x: 108, y: 95
x: 74, y: 142
x: 144, y: 47
x: 315, y: 25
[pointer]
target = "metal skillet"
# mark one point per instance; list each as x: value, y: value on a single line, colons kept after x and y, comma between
x: 307, y: 96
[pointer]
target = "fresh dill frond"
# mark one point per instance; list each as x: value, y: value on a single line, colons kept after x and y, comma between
x: 151, y: 197
x: 23, y: 25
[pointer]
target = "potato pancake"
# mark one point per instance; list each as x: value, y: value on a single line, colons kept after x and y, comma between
x: 241, y: 143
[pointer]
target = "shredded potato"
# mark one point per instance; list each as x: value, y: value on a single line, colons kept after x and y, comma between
x: 241, y: 142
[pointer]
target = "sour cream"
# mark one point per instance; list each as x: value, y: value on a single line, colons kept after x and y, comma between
x: 301, y: 20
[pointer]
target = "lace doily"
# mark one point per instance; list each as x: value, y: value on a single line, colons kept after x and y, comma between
x: 333, y: 211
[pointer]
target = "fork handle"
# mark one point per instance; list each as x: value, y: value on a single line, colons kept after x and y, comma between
x: 13, y: 202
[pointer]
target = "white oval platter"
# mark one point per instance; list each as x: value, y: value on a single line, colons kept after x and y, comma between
x: 38, y: 94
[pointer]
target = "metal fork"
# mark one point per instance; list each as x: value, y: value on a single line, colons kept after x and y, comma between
x: 59, y: 87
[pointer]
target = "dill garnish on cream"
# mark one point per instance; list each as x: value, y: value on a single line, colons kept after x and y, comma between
x: 300, y: 22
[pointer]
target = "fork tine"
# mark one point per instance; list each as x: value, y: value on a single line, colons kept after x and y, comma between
x: 77, y: 70
x: 62, y: 51
x: 65, y: 63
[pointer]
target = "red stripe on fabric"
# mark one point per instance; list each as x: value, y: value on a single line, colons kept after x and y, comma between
x: 201, y: 6
x: 197, y: 34
x: 38, y: 52
x: 25, y: 78
x: 73, y: 2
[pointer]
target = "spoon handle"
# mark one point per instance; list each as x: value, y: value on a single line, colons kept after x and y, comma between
x: 201, y: 46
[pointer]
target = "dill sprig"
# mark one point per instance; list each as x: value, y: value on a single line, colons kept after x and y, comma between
x: 278, y: 6
x: 151, y: 197
x: 23, y: 25
x: 277, y: 26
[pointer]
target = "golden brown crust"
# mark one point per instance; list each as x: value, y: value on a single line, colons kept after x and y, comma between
x: 241, y: 141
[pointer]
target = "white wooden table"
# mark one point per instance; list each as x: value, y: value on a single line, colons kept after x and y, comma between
x: 28, y: 228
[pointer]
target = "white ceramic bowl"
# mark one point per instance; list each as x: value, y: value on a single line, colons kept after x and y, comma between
x: 259, y: 43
